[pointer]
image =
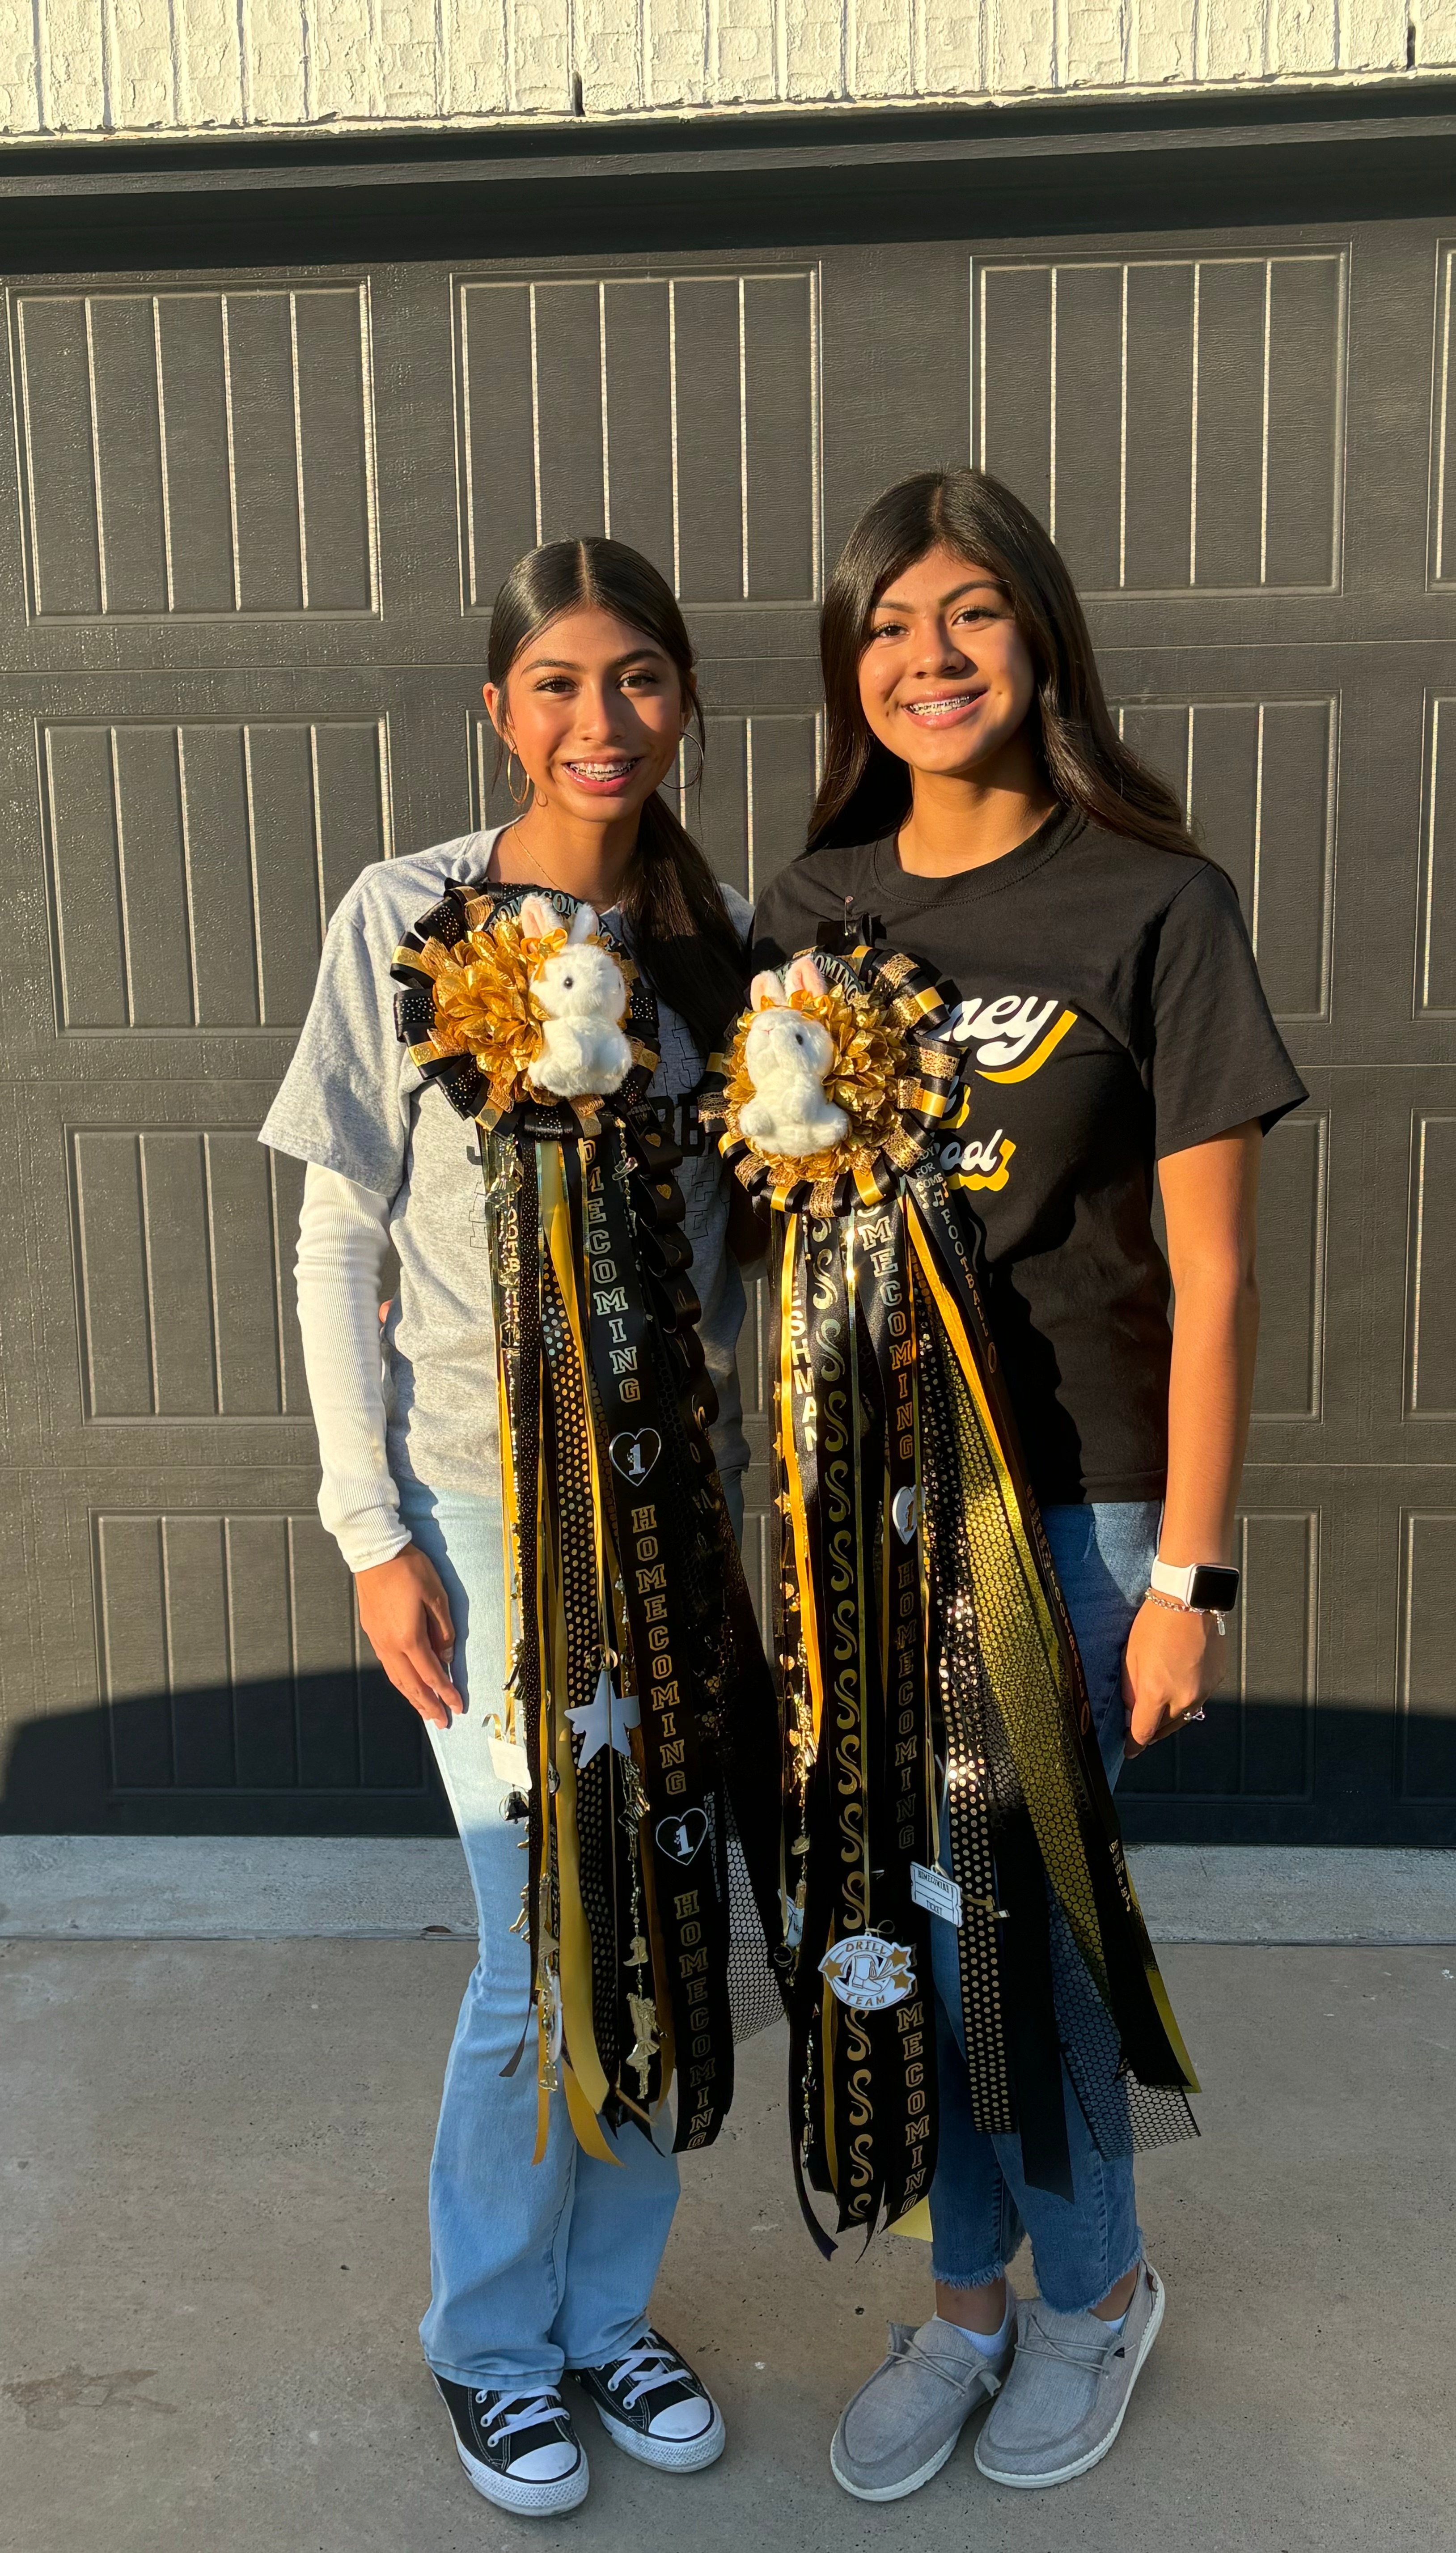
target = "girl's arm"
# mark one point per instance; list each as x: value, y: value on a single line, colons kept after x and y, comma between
x: 343, y: 1239
x: 1210, y: 1196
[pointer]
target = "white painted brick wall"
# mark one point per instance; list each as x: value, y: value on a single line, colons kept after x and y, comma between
x: 96, y: 67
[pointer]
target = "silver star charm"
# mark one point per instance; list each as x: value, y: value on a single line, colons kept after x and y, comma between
x: 605, y: 1719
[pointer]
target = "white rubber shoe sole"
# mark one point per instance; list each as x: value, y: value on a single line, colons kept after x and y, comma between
x: 669, y: 2455
x: 524, y: 2499
x: 896, y: 2490
x: 1104, y: 2446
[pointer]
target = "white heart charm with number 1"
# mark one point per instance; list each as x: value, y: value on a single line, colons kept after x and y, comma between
x: 903, y: 1509
x: 683, y: 1834
x: 634, y: 1455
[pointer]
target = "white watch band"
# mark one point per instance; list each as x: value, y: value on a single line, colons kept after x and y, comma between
x: 1165, y: 1580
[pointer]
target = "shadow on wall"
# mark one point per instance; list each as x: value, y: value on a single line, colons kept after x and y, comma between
x: 313, y: 1755
x: 341, y: 1754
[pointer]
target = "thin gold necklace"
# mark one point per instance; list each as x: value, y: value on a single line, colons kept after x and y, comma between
x: 543, y: 872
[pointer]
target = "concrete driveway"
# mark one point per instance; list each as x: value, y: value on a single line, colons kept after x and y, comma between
x: 212, y: 2258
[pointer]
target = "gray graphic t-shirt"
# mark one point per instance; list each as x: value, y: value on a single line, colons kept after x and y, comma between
x: 353, y: 1102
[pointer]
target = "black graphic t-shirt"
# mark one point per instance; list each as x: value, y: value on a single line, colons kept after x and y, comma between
x: 1112, y: 1013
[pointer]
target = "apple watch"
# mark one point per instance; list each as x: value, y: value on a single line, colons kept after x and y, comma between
x: 1208, y: 1586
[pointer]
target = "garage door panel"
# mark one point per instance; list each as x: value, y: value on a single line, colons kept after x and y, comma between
x: 213, y: 1672
x: 158, y: 1238
x: 185, y: 1248
x: 1216, y: 463
x: 1258, y: 778
x: 194, y: 866
x: 692, y: 399
x: 263, y: 397
x: 1315, y: 777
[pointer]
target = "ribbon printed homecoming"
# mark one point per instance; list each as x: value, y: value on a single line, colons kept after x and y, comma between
x: 637, y: 1687
x: 919, y: 1626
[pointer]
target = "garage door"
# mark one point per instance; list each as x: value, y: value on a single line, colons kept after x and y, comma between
x: 245, y: 575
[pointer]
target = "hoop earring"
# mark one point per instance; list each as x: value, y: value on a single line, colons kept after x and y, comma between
x: 697, y: 774
x: 524, y: 799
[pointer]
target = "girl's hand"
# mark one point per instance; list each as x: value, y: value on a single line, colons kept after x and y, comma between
x: 405, y: 1614
x: 1173, y: 1661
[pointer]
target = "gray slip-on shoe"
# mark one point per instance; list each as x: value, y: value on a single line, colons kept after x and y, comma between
x: 1066, y: 2396
x: 903, y: 2423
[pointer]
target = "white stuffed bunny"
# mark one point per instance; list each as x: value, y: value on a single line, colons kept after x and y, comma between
x: 583, y: 992
x: 786, y: 1055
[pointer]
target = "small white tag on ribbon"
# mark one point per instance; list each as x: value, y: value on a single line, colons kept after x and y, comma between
x: 937, y: 1892
x: 508, y: 1763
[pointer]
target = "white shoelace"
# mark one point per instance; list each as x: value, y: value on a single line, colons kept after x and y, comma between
x: 533, y: 2410
x: 959, y: 2379
x: 643, y: 2369
x: 1090, y: 2356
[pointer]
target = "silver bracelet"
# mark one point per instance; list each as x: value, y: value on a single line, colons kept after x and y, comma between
x: 1171, y: 1605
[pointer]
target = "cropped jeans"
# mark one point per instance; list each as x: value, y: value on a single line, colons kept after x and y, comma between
x: 533, y: 2267
x: 981, y: 2204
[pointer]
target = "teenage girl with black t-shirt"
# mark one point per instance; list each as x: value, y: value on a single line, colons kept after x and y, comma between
x: 979, y: 811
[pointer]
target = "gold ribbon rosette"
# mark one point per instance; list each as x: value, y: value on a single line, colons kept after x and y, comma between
x: 638, y: 1714
x: 939, y: 1763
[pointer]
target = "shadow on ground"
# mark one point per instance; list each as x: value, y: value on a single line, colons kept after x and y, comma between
x: 212, y: 2162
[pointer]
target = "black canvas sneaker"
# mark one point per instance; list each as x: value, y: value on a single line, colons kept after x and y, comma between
x: 519, y: 2449
x: 655, y: 2408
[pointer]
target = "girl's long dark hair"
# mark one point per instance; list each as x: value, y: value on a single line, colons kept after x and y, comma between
x: 865, y: 791
x: 681, y: 931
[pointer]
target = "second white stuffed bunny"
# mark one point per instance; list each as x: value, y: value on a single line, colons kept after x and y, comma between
x: 583, y: 992
x: 786, y: 1055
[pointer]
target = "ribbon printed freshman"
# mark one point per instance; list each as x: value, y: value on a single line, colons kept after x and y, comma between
x: 930, y: 1688
x: 638, y: 1696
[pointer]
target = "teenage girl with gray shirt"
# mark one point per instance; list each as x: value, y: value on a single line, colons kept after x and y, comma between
x: 535, y: 2269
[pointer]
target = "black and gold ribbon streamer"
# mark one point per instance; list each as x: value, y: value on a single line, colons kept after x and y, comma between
x: 919, y: 1619
x: 638, y: 1689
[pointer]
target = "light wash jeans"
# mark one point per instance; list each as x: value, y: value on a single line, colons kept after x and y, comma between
x: 533, y: 2267
x: 980, y: 2202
